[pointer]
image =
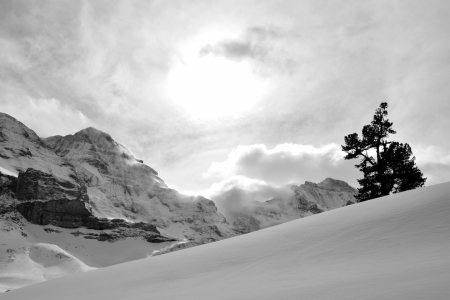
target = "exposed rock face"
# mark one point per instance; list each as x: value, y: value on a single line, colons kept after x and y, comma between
x: 36, y: 185
x: 309, y: 198
x: 8, y: 185
x: 63, y: 213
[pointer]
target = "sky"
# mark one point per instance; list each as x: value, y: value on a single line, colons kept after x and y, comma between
x: 220, y: 95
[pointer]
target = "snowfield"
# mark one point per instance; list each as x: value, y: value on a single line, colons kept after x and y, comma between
x: 49, y: 252
x: 395, y: 247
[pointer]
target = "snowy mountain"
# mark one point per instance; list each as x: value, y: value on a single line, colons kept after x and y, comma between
x: 394, y: 247
x: 307, y: 199
x: 21, y: 149
x: 122, y: 186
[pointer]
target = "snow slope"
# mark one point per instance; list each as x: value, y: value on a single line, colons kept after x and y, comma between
x: 33, y: 264
x: 25, y: 261
x: 395, y: 247
x: 32, y: 253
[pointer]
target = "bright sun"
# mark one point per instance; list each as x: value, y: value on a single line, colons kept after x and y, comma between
x: 212, y: 86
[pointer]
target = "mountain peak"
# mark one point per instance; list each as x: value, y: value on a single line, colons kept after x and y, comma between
x: 6, y: 116
x: 96, y: 136
x: 333, y: 184
x: 13, y: 130
x: 92, y: 129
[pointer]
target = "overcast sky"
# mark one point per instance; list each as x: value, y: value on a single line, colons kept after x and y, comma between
x: 220, y: 93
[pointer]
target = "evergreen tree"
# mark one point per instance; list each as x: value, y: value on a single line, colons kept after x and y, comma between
x: 387, y: 166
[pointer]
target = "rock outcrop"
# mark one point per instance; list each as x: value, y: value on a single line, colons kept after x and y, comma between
x: 8, y: 185
x: 63, y: 213
x: 37, y: 185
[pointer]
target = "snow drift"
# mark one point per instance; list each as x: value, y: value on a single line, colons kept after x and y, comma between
x: 395, y: 247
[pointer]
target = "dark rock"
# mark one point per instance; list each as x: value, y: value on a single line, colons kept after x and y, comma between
x: 4, y: 209
x: 50, y: 230
x: 124, y: 229
x: 62, y: 213
x: 76, y: 214
x: 8, y: 185
x: 2, y: 136
x: 158, y: 239
x: 305, y: 205
x: 36, y: 185
x: 24, y: 152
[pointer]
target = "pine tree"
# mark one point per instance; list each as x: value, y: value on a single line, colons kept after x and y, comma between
x: 387, y: 166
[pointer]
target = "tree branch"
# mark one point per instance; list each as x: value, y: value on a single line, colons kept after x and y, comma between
x: 367, y: 158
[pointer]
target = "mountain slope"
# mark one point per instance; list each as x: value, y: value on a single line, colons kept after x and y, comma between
x: 307, y: 199
x: 21, y: 148
x: 121, y: 186
x: 395, y: 247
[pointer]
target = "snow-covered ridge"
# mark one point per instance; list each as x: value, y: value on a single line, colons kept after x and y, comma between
x: 21, y: 148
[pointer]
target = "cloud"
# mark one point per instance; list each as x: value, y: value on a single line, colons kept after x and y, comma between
x: 285, y: 163
x: 254, y: 44
x: 330, y: 65
x: 434, y: 162
x: 264, y: 46
x: 238, y: 194
x: 236, y: 50
x: 256, y: 173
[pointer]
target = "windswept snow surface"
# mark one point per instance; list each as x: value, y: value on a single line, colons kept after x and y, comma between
x: 31, y: 253
x: 395, y: 247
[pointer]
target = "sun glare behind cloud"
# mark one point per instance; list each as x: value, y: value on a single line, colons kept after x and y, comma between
x: 212, y: 86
